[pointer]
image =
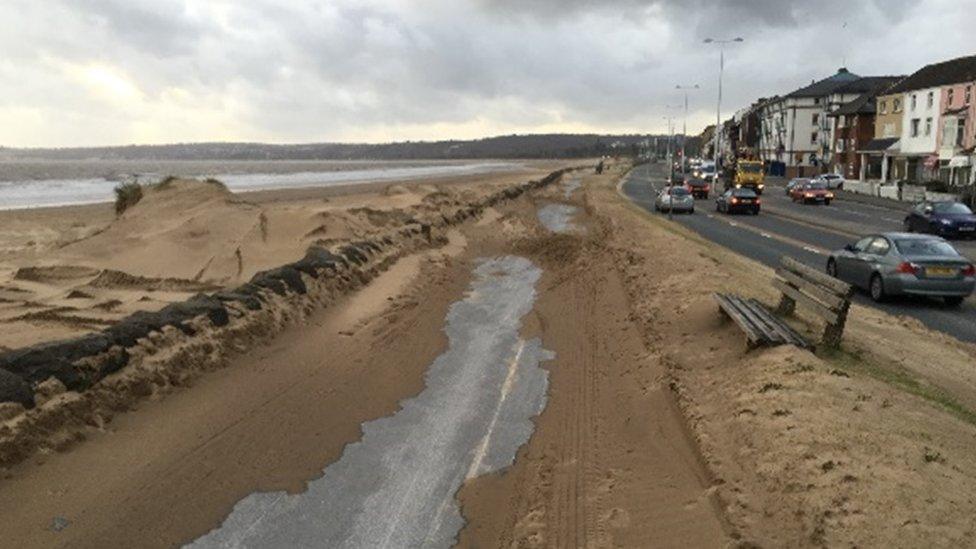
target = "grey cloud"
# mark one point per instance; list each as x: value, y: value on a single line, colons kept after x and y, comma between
x: 308, y: 70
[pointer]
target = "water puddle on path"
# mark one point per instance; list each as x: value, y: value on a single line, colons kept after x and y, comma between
x: 570, y: 186
x: 396, y: 487
x: 558, y: 218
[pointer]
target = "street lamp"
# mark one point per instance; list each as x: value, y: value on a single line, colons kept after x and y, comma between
x: 684, y: 124
x: 721, y: 69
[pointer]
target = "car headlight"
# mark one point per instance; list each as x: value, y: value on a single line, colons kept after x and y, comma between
x: 945, y: 221
x: 738, y: 186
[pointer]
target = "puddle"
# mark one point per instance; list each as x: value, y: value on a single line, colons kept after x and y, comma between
x: 558, y: 218
x: 571, y: 186
x: 396, y: 486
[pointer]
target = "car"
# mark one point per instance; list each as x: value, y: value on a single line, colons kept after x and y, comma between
x: 891, y: 264
x: 794, y: 182
x: 738, y: 200
x: 948, y: 219
x: 833, y: 180
x: 699, y: 188
x: 706, y: 171
x: 675, y: 199
x: 814, y: 192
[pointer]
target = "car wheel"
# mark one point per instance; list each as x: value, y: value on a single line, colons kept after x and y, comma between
x: 691, y: 211
x: 877, y: 288
x: 826, y: 203
x: 908, y: 227
x: 953, y: 301
x: 832, y: 267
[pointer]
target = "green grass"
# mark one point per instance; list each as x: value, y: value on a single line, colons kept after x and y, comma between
x: 900, y: 379
x: 127, y: 195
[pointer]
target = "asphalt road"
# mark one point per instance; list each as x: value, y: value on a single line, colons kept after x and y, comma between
x: 807, y: 233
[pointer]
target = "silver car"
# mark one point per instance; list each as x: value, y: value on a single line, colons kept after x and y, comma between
x: 676, y: 199
x: 905, y: 264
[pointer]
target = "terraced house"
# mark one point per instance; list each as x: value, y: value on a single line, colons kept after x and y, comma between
x: 925, y: 125
x: 957, y: 133
x: 797, y: 131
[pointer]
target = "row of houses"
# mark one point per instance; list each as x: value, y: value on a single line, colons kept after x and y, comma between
x: 917, y: 128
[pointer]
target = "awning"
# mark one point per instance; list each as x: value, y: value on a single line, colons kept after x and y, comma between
x: 960, y: 161
x: 879, y: 145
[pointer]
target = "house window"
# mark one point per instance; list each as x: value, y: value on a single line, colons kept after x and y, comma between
x: 813, y: 138
x: 931, y: 99
x: 816, y: 100
x: 949, y: 97
x: 969, y: 94
x: 928, y: 127
x: 816, y: 119
x: 896, y: 105
x: 914, y: 102
x: 960, y: 134
x: 915, y: 126
x: 883, y: 107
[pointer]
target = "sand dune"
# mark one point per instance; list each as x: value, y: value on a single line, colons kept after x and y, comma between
x: 69, y: 271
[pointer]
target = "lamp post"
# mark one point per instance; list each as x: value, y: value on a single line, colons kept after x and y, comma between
x: 684, y: 125
x: 670, y: 164
x: 721, y: 69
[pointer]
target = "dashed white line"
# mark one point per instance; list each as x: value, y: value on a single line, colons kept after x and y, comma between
x: 765, y: 235
x: 812, y: 250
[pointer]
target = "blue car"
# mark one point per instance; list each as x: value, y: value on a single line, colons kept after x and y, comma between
x: 946, y: 219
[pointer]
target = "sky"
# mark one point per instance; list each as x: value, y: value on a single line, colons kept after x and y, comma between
x: 112, y: 72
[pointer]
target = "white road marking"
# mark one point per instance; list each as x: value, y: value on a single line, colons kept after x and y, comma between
x: 765, y: 235
x: 812, y: 250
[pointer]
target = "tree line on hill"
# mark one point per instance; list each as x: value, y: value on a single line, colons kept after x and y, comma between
x: 510, y: 146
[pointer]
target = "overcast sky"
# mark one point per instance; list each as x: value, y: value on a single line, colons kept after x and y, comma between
x: 105, y: 72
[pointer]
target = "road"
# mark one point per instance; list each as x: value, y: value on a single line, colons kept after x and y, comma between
x: 807, y: 233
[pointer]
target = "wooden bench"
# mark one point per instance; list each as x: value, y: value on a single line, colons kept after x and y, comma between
x: 825, y: 296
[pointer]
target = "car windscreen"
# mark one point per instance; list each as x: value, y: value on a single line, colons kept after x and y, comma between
x: 951, y: 208
x: 750, y: 168
x: 744, y: 193
x: 679, y: 191
x: 817, y: 186
x: 925, y: 247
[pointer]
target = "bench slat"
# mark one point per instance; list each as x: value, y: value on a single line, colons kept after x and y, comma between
x: 828, y: 298
x: 784, y: 330
x: 732, y: 310
x: 760, y: 325
x: 798, y: 296
x: 840, y: 287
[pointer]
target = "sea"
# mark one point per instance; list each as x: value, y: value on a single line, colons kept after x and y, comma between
x: 49, y: 183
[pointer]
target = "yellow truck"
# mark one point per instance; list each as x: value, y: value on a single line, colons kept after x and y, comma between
x: 749, y: 174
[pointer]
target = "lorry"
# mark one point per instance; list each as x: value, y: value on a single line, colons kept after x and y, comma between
x: 749, y: 175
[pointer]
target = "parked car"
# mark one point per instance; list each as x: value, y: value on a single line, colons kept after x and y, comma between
x: 814, y: 192
x: 676, y: 199
x: 833, y: 180
x: 794, y: 182
x: 699, y: 188
x: 948, y: 219
x: 738, y: 200
x: 905, y: 264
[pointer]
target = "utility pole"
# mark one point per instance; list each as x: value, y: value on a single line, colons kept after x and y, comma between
x: 718, y: 110
x: 684, y: 126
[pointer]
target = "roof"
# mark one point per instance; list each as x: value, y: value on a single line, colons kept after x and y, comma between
x: 878, y: 145
x: 962, y: 69
x: 872, y: 87
x: 827, y: 85
x: 864, y: 104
